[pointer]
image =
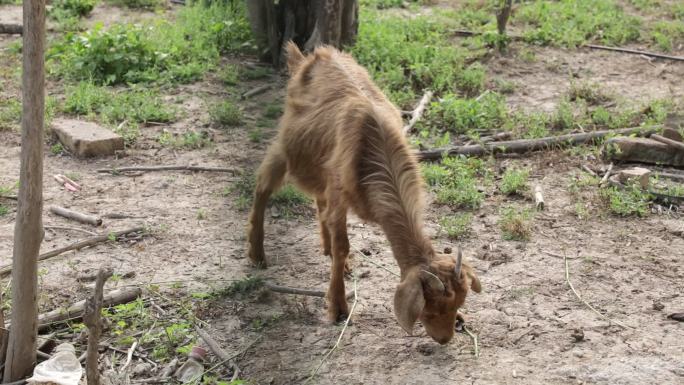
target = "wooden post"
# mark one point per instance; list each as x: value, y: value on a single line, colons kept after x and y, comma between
x: 92, y: 319
x: 28, y: 230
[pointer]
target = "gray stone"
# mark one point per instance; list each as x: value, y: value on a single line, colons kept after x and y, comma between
x: 673, y: 134
x: 87, y: 139
x: 640, y: 174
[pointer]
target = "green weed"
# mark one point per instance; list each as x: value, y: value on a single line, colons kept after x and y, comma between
x: 455, y: 181
x: 3, y: 210
x: 456, y: 226
x: 462, y: 115
x: 273, y: 111
x: 244, y: 188
x: 514, y: 181
x: 289, y: 197
x: 188, y: 140
x: 631, y: 200
x: 137, y: 4
x: 515, y: 223
x: 589, y: 92
x: 56, y: 149
x: 230, y: 74
x: 256, y: 135
x: 226, y: 114
x: 241, y: 287
x: 10, y: 114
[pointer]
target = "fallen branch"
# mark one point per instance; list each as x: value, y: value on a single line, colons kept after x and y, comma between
x: 344, y: 328
x: 75, y: 215
x: 669, y: 142
x: 76, y: 311
x: 636, y: 52
x: 218, y: 351
x: 129, y: 355
x: 590, y: 171
x: 538, y: 198
x: 92, y: 319
x: 10, y: 197
x: 255, y: 91
x: 677, y: 177
x: 567, y: 279
x: 166, y: 168
x: 11, y: 29
x: 293, y: 290
x: 51, y: 227
x: 77, y: 246
x: 526, y: 145
x: 418, y: 111
x: 496, y: 137
x: 606, y: 175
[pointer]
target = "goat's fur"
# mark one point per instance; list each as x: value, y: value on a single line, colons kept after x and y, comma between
x: 340, y: 141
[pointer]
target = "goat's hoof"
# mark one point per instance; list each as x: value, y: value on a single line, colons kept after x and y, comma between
x: 258, y: 260
x: 337, y: 316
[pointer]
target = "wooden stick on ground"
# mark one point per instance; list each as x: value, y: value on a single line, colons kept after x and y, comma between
x: 567, y: 279
x: 293, y: 290
x: 167, y: 168
x: 526, y: 145
x: 344, y: 328
x: 11, y: 29
x: 418, y: 112
x: 677, y: 177
x: 255, y: 91
x: 218, y: 351
x: 76, y: 310
x: 538, y: 197
x: 75, y: 215
x: 590, y: 171
x: 78, y: 245
x: 669, y: 142
x: 51, y: 227
x: 634, y: 51
x: 92, y: 319
x: 606, y: 175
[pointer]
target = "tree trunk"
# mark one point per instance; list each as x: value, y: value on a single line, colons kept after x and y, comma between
x: 28, y: 230
x: 307, y: 23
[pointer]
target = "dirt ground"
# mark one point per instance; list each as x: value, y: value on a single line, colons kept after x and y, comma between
x: 629, y: 269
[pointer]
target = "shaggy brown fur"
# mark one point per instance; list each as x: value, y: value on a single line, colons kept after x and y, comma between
x: 340, y: 141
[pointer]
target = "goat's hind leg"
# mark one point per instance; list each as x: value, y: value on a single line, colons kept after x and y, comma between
x: 336, y: 220
x: 269, y: 178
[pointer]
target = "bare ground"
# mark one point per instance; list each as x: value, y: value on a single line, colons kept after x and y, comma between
x: 630, y: 269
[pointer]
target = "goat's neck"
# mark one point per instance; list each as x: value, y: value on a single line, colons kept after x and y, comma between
x: 409, y: 251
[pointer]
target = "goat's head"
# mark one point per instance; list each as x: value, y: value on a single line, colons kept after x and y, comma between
x: 433, y: 294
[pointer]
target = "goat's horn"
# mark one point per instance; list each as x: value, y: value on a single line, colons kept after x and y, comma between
x: 459, y: 259
x: 432, y: 281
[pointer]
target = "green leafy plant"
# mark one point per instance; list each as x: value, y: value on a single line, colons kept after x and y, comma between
x: 515, y: 223
x: 226, y: 114
x: 631, y: 200
x: 514, y: 181
x: 456, y: 226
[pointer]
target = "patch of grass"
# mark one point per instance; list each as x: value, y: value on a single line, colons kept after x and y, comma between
x: 256, y: 135
x: 666, y: 32
x: 456, y: 226
x: 256, y: 73
x: 156, y: 51
x: 571, y: 23
x: 289, y: 197
x: 273, y: 111
x: 226, y: 114
x: 244, y: 188
x: 471, y: 80
x: 563, y: 118
x: 10, y: 114
x: 135, y: 105
x: 56, y: 149
x: 514, y: 181
x: 137, y: 4
x: 241, y: 287
x: 78, y: 8
x: 3, y: 210
x: 625, y: 202
x: 589, y: 92
x: 455, y: 181
x: 188, y: 140
x: 230, y: 74
x: 460, y: 115
x: 504, y: 86
x: 515, y: 223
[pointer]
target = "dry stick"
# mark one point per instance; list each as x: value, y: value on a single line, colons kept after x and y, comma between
x: 255, y: 91
x: 167, y: 168
x: 293, y: 290
x: 538, y: 197
x: 525, y: 145
x: 129, y: 355
x: 473, y: 337
x: 496, y: 137
x: 10, y: 197
x: 76, y: 310
x: 606, y: 175
x: 11, y: 29
x: 75, y: 215
x: 78, y: 245
x: 669, y: 142
x: 344, y: 328
x: 92, y: 319
x: 567, y: 279
x: 50, y: 227
x: 418, y: 111
x: 634, y: 51
x: 218, y: 351
x: 590, y: 171
x: 677, y: 177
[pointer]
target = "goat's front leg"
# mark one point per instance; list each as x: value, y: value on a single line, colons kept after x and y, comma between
x: 322, y: 205
x: 337, y: 225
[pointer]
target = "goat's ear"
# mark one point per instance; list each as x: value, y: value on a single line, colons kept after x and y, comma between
x: 409, y: 301
x: 474, y: 280
x: 294, y: 56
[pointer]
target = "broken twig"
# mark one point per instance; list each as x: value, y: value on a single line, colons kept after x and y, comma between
x: 92, y: 319
x: 344, y: 328
x: 119, y: 170
x: 418, y: 111
x: 4, y: 270
x: 606, y: 175
x: 588, y: 170
x: 567, y: 279
x: 669, y: 142
x: 218, y: 351
x: 51, y: 227
x: 293, y: 290
x: 538, y: 197
x: 255, y: 91
x: 75, y: 215
x: 636, y: 52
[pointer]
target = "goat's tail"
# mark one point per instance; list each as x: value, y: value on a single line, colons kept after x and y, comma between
x: 294, y: 56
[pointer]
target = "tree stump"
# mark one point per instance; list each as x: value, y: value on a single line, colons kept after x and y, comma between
x: 307, y: 23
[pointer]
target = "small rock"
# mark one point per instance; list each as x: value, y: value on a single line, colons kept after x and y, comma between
x: 640, y: 174
x: 86, y: 139
x: 365, y: 252
x: 427, y: 349
x: 677, y: 317
x: 447, y: 250
x: 578, y: 335
x: 143, y: 368
x: 658, y: 306
x: 365, y: 274
x: 578, y: 353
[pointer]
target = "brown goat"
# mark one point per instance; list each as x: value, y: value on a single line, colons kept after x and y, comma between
x: 340, y: 141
